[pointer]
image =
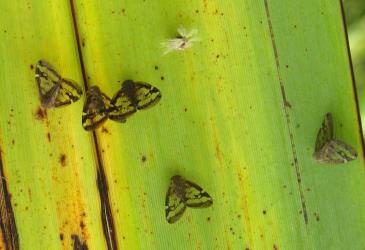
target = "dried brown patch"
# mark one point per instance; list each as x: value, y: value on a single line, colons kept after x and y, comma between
x: 77, y: 244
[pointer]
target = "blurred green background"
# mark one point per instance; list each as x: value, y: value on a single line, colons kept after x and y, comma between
x: 355, y: 18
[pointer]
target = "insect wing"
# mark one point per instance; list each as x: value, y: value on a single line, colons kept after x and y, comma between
x: 48, y: 83
x: 195, y: 196
x: 95, y: 108
x: 69, y: 92
x: 121, y: 107
x: 146, y: 95
x: 335, y: 152
x: 325, y: 133
x: 53, y: 90
x: 174, y: 204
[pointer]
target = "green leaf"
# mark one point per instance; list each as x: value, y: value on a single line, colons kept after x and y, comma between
x: 239, y: 115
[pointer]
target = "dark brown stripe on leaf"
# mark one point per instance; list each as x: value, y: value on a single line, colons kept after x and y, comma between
x: 105, y: 210
x: 7, y: 220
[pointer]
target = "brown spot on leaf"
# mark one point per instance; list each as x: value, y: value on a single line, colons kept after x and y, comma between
x: 105, y: 130
x: 61, y: 236
x: 41, y: 113
x: 62, y: 160
x: 316, y: 215
x: 49, y: 137
x: 143, y: 158
x: 31, y: 67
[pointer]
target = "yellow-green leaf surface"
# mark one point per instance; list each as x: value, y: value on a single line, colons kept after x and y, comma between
x: 48, y: 159
x: 239, y: 115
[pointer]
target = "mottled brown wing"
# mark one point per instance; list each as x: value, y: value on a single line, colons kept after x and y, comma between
x: 95, y: 110
x: 121, y: 107
x: 93, y: 121
x: 335, y: 152
x: 195, y: 196
x: 174, y: 205
x: 330, y: 150
x: 325, y: 133
x: 48, y: 83
x: 53, y: 90
x: 146, y: 95
x: 69, y: 92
